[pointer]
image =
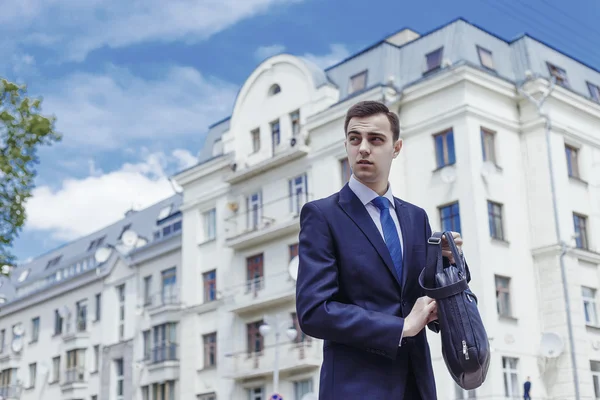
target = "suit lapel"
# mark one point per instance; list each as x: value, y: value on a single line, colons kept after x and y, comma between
x: 405, y: 224
x: 354, y: 208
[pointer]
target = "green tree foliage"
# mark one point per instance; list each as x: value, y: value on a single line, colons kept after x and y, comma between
x: 22, y: 131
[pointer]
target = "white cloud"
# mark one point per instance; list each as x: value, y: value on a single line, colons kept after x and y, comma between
x: 79, y: 27
x: 264, y: 52
x: 111, y: 110
x: 337, y: 53
x: 82, y: 206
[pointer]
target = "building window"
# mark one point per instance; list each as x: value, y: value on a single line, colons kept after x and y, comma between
x: 147, y: 345
x: 293, y: 248
x: 165, y: 343
x: 255, y: 274
x: 301, y: 388
x: 121, y: 300
x: 81, y: 321
x: 511, y: 377
x: 444, y: 148
x: 32, y: 375
x: 75, y: 369
x: 495, y: 220
x: 210, y: 224
x: 169, y: 286
x: 595, y: 367
x: 581, y: 236
x: 450, y: 217
x: 254, y: 207
x: 35, y: 329
x: 257, y: 393
x: 346, y: 170
x: 594, y: 91
x: 558, y: 73
x: 358, y: 82
x: 147, y: 290
x: 275, y: 134
x: 488, y: 145
x: 503, y: 303
x: 298, y: 189
x: 485, y: 58
x: 207, y: 396
x: 274, y: 89
x: 55, y: 369
x: 210, y: 285
x: 96, y: 363
x: 255, y: 140
x: 210, y: 350
x: 295, y: 119
x: 255, y: 339
x: 589, y: 305
x: 572, y: 154
x: 58, y: 322
x: 434, y: 59
x: 163, y: 390
x: 98, y: 306
x: 120, y: 375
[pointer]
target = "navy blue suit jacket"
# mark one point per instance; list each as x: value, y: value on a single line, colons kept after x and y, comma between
x: 348, y: 294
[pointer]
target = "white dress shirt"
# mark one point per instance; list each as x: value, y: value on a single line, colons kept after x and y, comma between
x: 366, y: 195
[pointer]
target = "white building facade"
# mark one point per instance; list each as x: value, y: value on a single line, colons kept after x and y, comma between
x: 168, y: 303
x: 474, y: 157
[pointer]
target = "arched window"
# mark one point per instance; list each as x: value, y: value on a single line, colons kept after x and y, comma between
x: 274, y: 89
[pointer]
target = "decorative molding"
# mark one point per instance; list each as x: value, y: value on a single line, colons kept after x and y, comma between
x: 200, y: 171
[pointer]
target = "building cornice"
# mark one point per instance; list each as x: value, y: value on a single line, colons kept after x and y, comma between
x: 155, y: 249
x: 209, y: 197
x: 200, y: 171
x: 555, y: 251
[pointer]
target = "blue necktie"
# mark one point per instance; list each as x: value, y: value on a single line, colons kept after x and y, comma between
x: 390, y: 233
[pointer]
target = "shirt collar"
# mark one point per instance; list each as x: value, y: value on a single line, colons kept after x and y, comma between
x: 366, y: 194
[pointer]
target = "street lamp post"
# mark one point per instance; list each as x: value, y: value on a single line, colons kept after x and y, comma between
x: 277, y: 323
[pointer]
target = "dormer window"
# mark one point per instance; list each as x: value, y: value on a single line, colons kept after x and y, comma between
x: 94, y: 244
x: 274, y: 89
x: 358, y: 82
x: 53, y: 261
x: 559, y: 74
x: 434, y: 59
x: 485, y: 58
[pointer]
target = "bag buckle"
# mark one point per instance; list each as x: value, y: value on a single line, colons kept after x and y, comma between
x: 434, y: 240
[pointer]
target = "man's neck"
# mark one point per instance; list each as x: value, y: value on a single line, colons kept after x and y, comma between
x: 378, y: 187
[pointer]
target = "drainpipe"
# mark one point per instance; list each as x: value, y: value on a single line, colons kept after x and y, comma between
x: 563, y: 246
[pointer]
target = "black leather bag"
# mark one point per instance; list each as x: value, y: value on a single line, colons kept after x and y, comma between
x: 465, y: 344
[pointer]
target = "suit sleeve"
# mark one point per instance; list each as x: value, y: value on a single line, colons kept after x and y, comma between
x: 320, y: 312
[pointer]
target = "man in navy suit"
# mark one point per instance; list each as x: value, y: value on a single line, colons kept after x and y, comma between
x: 361, y: 251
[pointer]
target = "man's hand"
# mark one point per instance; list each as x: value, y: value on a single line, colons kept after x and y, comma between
x: 446, y: 247
x: 423, y: 312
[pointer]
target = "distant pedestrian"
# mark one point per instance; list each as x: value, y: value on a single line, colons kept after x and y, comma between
x: 527, y: 389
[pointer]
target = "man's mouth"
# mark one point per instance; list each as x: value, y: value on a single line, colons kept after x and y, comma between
x: 364, y: 162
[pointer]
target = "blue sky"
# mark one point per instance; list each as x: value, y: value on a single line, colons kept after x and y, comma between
x: 135, y: 84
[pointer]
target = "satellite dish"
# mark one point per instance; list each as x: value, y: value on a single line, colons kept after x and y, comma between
x: 448, y: 174
x: 129, y: 238
x: 293, y: 268
x: 141, y: 242
x: 102, y: 254
x: 488, y: 168
x: 551, y: 345
x: 17, y: 345
x: 310, y: 396
x: 24, y: 275
x: 18, y: 330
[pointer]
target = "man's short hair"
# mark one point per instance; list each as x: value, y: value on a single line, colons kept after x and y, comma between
x: 368, y: 108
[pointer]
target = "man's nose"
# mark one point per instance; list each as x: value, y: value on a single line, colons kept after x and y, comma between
x: 364, y: 147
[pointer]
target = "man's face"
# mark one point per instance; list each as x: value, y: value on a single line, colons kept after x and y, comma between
x: 370, y: 147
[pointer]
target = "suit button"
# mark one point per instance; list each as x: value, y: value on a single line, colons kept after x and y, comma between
x: 403, y: 303
x: 404, y: 341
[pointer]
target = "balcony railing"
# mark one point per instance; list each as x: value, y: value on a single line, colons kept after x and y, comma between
x: 164, y: 352
x: 268, y: 219
x: 10, y: 392
x: 292, y: 357
x: 256, y: 293
x: 75, y: 375
x: 166, y: 297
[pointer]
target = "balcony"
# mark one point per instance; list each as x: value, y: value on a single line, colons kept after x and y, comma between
x: 287, y: 151
x: 165, y: 303
x: 294, y: 358
x: 74, y: 384
x: 78, y: 338
x: 260, y: 293
x: 12, y: 392
x: 163, y: 362
x: 9, y: 360
x: 265, y: 222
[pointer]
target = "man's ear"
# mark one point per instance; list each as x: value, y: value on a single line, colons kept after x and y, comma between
x: 397, y: 147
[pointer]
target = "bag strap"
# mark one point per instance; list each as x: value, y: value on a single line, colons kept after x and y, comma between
x: 443, y: 292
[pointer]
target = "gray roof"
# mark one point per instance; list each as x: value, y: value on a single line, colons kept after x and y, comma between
x: 78, y: 255
x: 460, y: 40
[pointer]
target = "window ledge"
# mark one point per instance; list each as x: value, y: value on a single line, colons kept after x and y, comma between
x: 578, y: 181
x: 508, y: 318
x: 438, y: 169
x: 206, y: 241
x: 502, y: 242
x: 593, y: 327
